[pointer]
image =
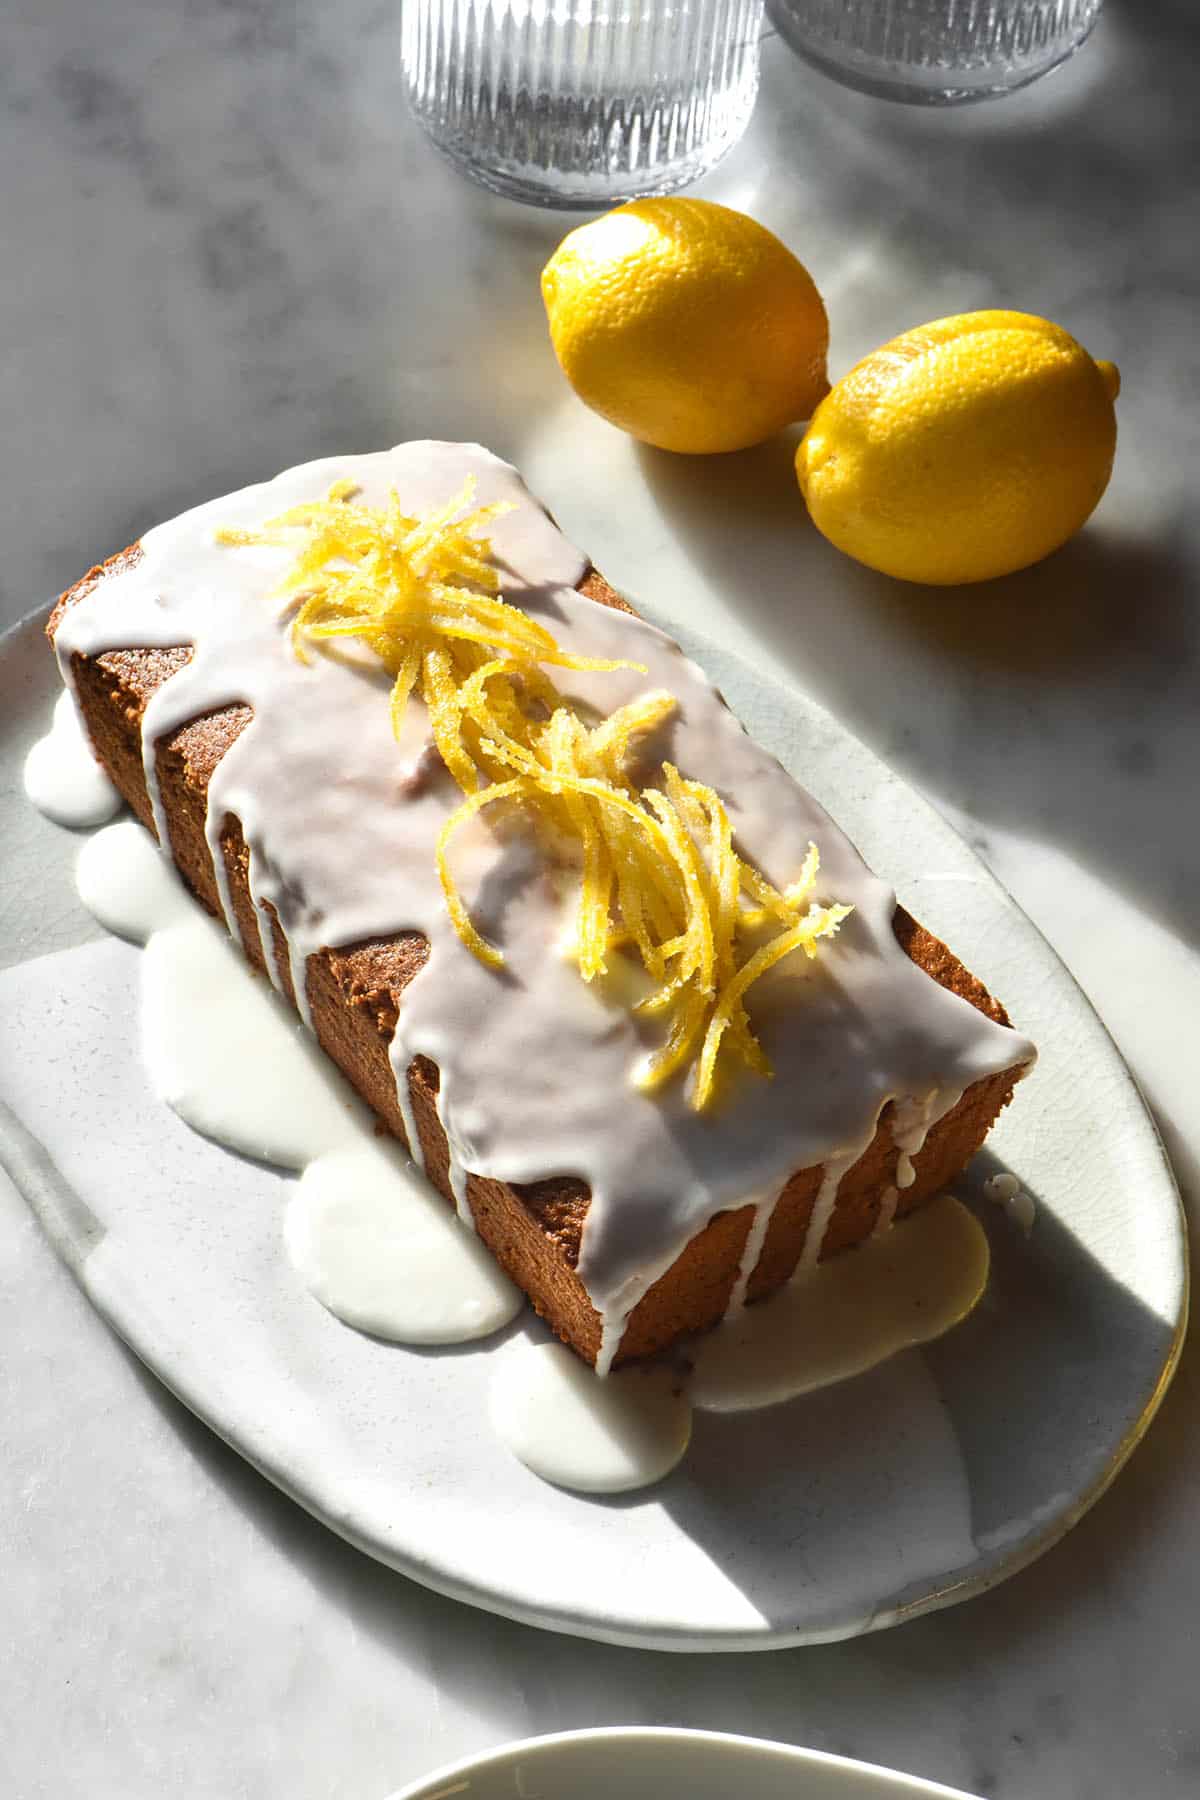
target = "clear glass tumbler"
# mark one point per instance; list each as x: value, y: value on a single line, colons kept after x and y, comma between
x: 582, y: 102
x: 935, y: 51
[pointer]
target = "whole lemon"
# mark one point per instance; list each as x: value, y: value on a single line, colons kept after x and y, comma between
x: 687, y: 324
x: 965, y: 449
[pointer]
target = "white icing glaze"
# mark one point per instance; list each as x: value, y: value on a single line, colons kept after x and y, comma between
x: 298, y: 969
x: 905, y: 1288
x: 124, y: 881
x: 379, y: 1247
x: 404, y: 1100
x: 1022, y: 1210
x: 613, y: 1320
x: 535, y: 1065
x: 63, y: 778
x: 368, y: 1236
x: 756, y: 1237
x: 597, y: 1437
x: 914, y: 1117
x: 266, y: 940
x: 225, y: 1057
x: 1018, y: 1206
x: 826, y: 1326
x: 823, y: 1205
x: 382, y: 1252
x: 458, y: 1184
x: 887, y: 1210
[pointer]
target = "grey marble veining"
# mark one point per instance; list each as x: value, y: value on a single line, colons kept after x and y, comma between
x: 228, y: 249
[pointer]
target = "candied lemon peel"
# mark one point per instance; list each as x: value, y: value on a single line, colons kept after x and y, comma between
x: 659, y: 874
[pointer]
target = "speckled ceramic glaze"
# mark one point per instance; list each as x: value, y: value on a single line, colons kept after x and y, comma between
x: 917, y: 1484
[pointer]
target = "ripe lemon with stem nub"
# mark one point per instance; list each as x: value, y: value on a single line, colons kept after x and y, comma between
x: 962, y: 450
x: 687, y: 324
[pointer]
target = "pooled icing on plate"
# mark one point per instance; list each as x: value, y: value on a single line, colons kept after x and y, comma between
x: 63, y: 778
x: 341, y: 823
x: 379, y: 1249
x: 1007, y: 1192
x: 368, y: 1235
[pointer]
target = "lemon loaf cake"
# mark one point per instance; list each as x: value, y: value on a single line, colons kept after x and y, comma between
x: 616, y: 980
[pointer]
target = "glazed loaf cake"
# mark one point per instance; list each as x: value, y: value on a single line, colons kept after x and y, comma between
x: 355, y: 994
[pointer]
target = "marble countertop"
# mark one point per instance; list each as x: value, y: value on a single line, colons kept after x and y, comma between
x: 229, y: 250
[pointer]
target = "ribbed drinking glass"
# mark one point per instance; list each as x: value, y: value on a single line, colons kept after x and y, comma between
x: 582, y: 102
x: 935, y: 51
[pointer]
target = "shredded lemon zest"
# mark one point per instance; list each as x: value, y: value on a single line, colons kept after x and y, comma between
x: 658, y: 871
x: 421, y: 592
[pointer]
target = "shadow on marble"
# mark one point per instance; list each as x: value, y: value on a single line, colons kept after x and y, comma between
x: 1026, y: 1362
x: 1078, y: 669
x: 1064, y: 156
x: 513, y: 1679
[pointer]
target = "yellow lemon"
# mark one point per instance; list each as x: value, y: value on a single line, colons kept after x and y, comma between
x: 687, y: 324
x: 964, y: 449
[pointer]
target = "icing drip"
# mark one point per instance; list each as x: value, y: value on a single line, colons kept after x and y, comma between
x: 126, y: 884
x: 299, y: 971
x: 379, y: 1250
x: 369, y: 1238
x: 404, y: 1099
x: 1022, y: 1210
x: 571, y: 1430
x: 459, y: 1176
x: 612, y: 1330
x: 823, y: 1205
x: 914, y: 1117
x: 266, y: 937
x: 63, y: 778
x: 905, y: 1288
x: 615, y: 1315
x: 341, y: 821
x: 597, y: 1439
x: 1018, y: 1206
x: 228, y: 1071
x: 887, y: 1210
x: 756, y: 1237
x: 157, y: 721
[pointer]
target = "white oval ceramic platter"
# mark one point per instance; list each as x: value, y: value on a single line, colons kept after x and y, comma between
x: 923, y: 1482
x: 647, y: 1762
